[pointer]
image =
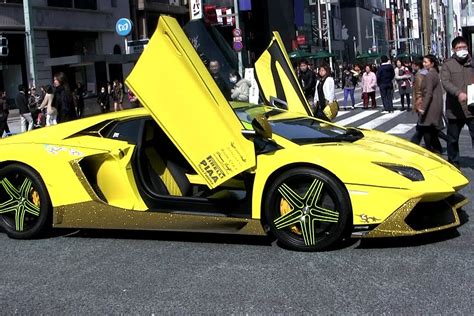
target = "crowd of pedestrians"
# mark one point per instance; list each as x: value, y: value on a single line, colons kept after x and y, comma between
x: 58, y: 103
x: 421, y: 84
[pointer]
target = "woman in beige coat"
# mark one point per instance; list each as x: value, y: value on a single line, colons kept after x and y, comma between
x: 51, y: 112
x: 431, y: 111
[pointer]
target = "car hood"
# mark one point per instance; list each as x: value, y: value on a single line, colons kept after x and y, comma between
x: 362, y: 162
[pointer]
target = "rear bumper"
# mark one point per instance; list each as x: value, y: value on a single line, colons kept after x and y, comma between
x: 415, y: 217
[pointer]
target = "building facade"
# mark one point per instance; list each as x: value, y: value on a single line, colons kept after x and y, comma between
x: 74, y: 36
x: 365, y: 27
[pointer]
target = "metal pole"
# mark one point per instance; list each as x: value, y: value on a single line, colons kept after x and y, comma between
x: 450, y: 26
x: 240, y: 67
x: 328, y: 10
x: 373, y: 32
x: 30, y: 47
x: 355, y: 47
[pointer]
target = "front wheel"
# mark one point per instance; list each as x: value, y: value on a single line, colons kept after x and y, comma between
x: 24, y: 202
x: 307, y: 209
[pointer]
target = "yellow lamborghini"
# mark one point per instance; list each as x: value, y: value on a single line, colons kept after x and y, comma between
x: 191, y: 161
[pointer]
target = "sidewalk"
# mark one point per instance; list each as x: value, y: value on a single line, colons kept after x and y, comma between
x: 90, y: 108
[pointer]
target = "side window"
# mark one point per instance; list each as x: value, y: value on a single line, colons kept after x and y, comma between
x: 128, y: 131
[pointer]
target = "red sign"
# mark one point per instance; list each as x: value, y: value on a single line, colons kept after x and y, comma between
x: 237, y: 32
x: 301, y: 39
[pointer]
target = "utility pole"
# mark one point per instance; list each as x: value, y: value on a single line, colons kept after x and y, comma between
x: 237, y: 25
x: 30, y: 47
x: 449, y: 26
x: 328, y: 12
x: 425, y: 9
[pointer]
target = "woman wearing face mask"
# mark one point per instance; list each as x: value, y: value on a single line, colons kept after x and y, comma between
x: 431, y: 111
x: 456, y: 75
x: 240, y: 91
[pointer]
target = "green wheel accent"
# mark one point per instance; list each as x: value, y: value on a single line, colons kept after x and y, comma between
x: 19, y: 202
x: 25, y: 206
x: 305, y: 211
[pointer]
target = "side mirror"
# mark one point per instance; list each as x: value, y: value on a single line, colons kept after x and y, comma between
x: 278, y: 103
x: 261, y: 127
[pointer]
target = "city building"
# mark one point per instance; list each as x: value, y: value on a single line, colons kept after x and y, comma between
x: 467, y: 21
x: 364, y: 27
x: 74, y: 36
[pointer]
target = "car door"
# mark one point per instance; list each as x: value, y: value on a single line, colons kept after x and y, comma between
x: 172, y: 82
x: 277, y: 79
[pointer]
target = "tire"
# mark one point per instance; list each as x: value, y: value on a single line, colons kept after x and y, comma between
x: 24, y: 202
x: 307, y: 209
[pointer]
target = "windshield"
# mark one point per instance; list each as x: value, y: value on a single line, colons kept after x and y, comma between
x: 300, y: 130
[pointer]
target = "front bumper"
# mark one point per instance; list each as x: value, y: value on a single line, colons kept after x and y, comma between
x: 415, y: 217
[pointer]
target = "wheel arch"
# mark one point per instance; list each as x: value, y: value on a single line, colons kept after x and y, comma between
x: 277, y: 172
x: 11, y: 162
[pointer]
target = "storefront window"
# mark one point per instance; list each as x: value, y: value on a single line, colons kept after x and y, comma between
x: 77, y: 4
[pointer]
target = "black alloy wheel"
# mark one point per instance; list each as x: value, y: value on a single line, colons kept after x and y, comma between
x: 24, y: 202
x: 307, y: 209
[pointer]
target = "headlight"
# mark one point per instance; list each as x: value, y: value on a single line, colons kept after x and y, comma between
x: 405, y: 171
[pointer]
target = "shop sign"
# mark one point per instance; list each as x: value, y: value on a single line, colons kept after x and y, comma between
x: 195, y: 9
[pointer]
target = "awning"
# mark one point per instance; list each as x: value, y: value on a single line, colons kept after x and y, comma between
x: 84, y: 60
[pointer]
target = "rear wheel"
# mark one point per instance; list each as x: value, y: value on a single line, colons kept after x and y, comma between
x: 24, y: 202
x: 307, y: 209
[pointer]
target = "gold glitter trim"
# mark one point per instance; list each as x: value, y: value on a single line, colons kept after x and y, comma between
x: 99, y: 215
x: 395, y: 225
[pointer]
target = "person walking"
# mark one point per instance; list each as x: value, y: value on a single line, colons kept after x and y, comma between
x: 307, y: 79
x: 403, y: 77
x: 133, y: 99
x: 419, y: 75
x: 79, y: 99
x: 349, y: 81
x: 369, y: 83
x: 431, y: 111
x: 324, y: 92
x: 117, y: 95
x: 21, y: 101
x: 63, y: 100
x: 103, y: 100
x: 385, y: 75
x: 241, y: 89
x: 3, y: 113
x: 51, y: 111
x: 456, y: 75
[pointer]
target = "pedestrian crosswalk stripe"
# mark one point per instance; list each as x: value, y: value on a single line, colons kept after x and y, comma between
x: 401, y: 129
x: 356, y: 117
x: 380, y: 120
x: 341, y: 113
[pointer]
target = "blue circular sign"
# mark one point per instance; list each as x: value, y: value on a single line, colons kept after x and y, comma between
x: 123, y: 27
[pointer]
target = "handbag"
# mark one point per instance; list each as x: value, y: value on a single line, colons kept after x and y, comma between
x: 331, y: 109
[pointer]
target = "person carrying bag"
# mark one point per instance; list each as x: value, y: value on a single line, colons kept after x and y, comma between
x: 326, y: 106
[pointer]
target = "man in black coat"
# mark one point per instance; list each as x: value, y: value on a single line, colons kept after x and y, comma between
x: 21, y: 101
x: 215, y: 70
x: 307, y: 80
x: 385, y: 75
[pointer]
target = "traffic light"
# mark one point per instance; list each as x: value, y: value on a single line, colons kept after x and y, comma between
x: 3, y: 46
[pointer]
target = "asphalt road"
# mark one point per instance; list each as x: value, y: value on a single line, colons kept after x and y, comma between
x: 113, y: 272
